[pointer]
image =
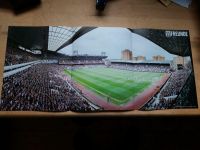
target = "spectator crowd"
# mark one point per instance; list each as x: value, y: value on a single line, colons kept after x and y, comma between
x: 142, y: 67
x: 14, y: 57
x: 41, y: 88
x: 80, y: 62
x: 167, y: 97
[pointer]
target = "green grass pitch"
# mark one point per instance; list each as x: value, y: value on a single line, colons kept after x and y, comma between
x: 117, y: 86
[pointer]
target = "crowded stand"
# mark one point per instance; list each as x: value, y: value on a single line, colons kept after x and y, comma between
x: 175, y: 83
x: 41, y: 87
x: 187, y: 96
x: 82, y: 60
x: 167, y: 97
x: 142, y: 67
x: 17, y: 56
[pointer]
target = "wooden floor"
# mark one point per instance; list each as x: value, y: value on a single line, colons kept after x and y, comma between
x: 121, y: 13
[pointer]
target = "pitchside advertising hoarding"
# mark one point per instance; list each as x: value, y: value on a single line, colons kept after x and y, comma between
x: 92, y: 69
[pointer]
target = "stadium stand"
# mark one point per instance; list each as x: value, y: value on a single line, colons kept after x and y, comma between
x: 36, y: 82
x: 82, y: 60
x: 142, y: 67
x: 167, y: 97
x: 41, y: 87
x: 17, y: 56
x: 187, y: 95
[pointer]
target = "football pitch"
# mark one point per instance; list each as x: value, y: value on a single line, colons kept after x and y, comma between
x: 114, y: 85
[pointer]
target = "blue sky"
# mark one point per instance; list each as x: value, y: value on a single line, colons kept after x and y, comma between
x: 113, y: 41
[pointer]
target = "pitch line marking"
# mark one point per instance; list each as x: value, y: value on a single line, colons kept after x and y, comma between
x: 99, y: 91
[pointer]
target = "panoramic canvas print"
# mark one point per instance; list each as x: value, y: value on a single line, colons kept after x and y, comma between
x: 90, y: 69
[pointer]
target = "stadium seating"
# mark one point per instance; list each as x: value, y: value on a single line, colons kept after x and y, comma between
x: 167, y: 97
x: 142, y: 67
x: 41, y: 87
x: 15, y: 56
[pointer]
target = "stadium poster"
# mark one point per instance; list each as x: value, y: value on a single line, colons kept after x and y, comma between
x: 87, y: 69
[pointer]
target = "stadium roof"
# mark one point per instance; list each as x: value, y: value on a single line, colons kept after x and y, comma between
x: 58, y: 35
x: 28, y: 37
x: 79, y: 33
x: 55, y: 38
x: 51, y: 38
x: 178, y: 45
